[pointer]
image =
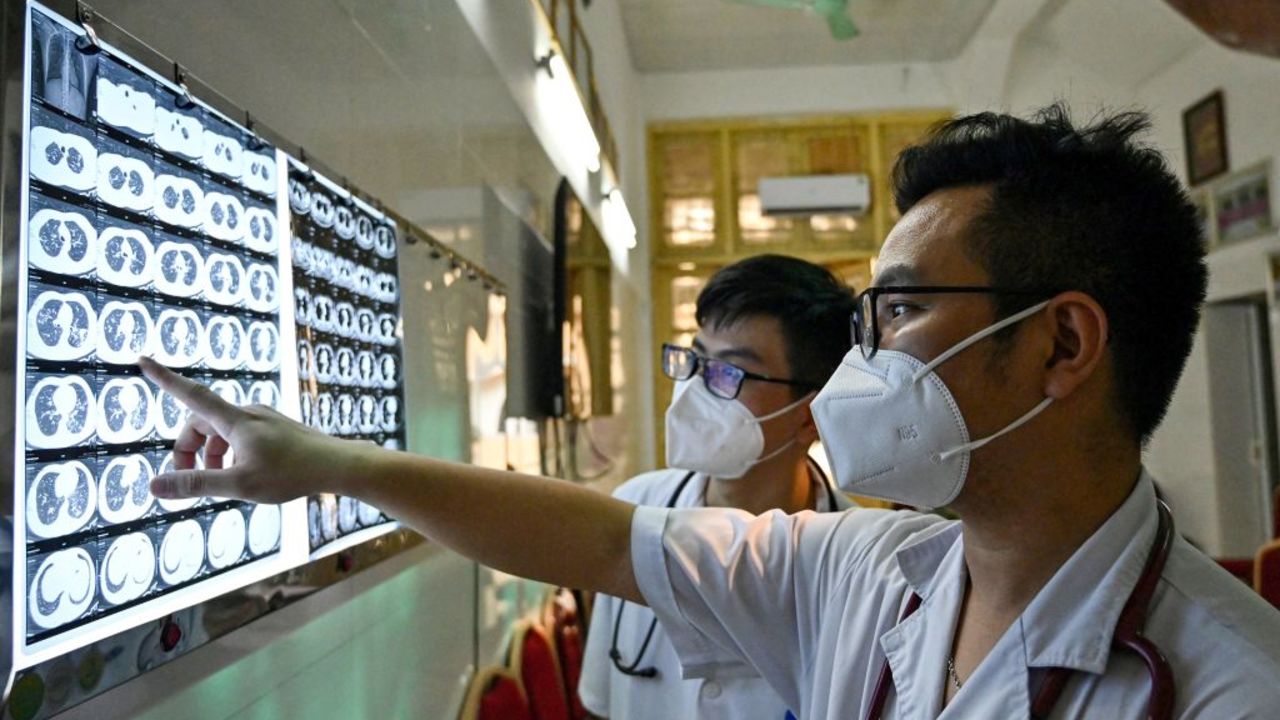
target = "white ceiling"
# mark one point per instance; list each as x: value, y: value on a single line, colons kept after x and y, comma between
x: 694, y: 35
x: 1124, y: 41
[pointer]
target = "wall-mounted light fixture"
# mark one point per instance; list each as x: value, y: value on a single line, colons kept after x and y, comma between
x: 617, y: 218
x: 569, y: 113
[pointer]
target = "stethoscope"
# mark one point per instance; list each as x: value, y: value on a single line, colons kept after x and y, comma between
x: 1128, y: 636
x: 633, y: 669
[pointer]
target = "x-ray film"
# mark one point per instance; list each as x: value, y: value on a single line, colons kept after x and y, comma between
x: 150, y: 228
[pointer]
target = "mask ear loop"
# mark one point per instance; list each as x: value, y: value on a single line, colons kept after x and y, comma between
x: 779, y: 413
x: 948, y: 454
x: 980, y: 335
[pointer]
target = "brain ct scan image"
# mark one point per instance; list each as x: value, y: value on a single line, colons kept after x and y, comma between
x: 61, y: 412
x: 61, y: 326
x: 125, y: 331
x: 61, y: 500
x: 63, y: 588
x: 62, y: 242
x: 125, y: 257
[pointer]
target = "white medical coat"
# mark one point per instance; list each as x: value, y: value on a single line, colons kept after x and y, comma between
x: 733, y: 693
x: 811, y: 602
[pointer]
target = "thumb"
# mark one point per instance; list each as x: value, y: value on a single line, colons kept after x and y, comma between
x: 198, y: 482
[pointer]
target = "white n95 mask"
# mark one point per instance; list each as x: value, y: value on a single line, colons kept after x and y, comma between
x: 719, y: 437
x: 892, y: 429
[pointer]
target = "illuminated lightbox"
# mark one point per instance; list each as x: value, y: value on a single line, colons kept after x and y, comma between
x: 152, y: 227
x: 347, y: 311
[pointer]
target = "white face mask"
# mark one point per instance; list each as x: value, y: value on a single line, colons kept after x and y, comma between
x: 892, y: 429
x: 719, y: 437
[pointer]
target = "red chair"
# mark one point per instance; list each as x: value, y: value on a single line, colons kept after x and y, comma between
x: 1242, y: 568
x: 1275, y: 512
x: 560, y: 614
x: 533, y: 659
x: 495, y: 694
x: 1266, y: 572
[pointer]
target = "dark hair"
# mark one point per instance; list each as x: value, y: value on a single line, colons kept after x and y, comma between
x: 1080, y: 208
x: 812, y: 305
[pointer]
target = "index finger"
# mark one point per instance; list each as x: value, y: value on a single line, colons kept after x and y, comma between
x: 202, y: 401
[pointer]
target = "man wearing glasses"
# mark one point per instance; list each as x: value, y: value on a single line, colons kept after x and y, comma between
x: 1022, y: 403
x: 738, y: 433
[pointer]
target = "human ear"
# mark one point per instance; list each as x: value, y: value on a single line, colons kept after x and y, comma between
x: 1079, y: 330
x: 808, y: 432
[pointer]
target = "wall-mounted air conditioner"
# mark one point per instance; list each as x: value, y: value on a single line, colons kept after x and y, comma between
x: 815, y: 195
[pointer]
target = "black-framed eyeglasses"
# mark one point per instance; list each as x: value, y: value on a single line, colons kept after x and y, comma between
x: 867, y: 310
x: 722, y: 378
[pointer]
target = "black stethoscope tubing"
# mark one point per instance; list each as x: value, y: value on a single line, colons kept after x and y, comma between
x: 633, y: 669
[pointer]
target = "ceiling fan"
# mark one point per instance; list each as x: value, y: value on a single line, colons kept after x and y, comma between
x: 835, y: 12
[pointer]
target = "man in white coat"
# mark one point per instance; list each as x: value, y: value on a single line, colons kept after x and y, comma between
x: 772, y: 329
x: 1031, y: 314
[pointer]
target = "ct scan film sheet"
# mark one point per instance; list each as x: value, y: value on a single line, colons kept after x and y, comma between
x: 349, y: 343
x: 153, y: 227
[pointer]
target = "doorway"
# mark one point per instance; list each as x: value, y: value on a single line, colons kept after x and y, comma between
x: 1243, y: 409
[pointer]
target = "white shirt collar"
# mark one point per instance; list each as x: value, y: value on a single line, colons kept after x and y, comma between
x: 1071, y: 620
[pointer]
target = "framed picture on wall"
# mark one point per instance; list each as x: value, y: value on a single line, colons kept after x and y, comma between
x: 1242, y: 204
x: 1203, y: 200
x: 1204, y: 132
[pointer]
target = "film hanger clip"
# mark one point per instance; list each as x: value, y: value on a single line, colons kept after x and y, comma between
x: 88, y: 43
x: 185, y: 101
x: 255, y: 141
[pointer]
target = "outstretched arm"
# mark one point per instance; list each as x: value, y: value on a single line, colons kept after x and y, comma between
x: 528, y: 526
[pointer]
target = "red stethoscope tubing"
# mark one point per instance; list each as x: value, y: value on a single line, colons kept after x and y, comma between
x: 1128, y: 636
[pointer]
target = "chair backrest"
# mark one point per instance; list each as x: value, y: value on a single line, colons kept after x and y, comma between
x: 1242, y: 568
x: 1275, y: 513
x: 561, y: 615
x: 495, y: 694
x: 1266, y: 572
x: 533, y: 659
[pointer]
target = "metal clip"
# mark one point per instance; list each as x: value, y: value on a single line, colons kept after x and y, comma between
x: 88, y: 43
x: 185, y: 101
x: 255, y: 142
